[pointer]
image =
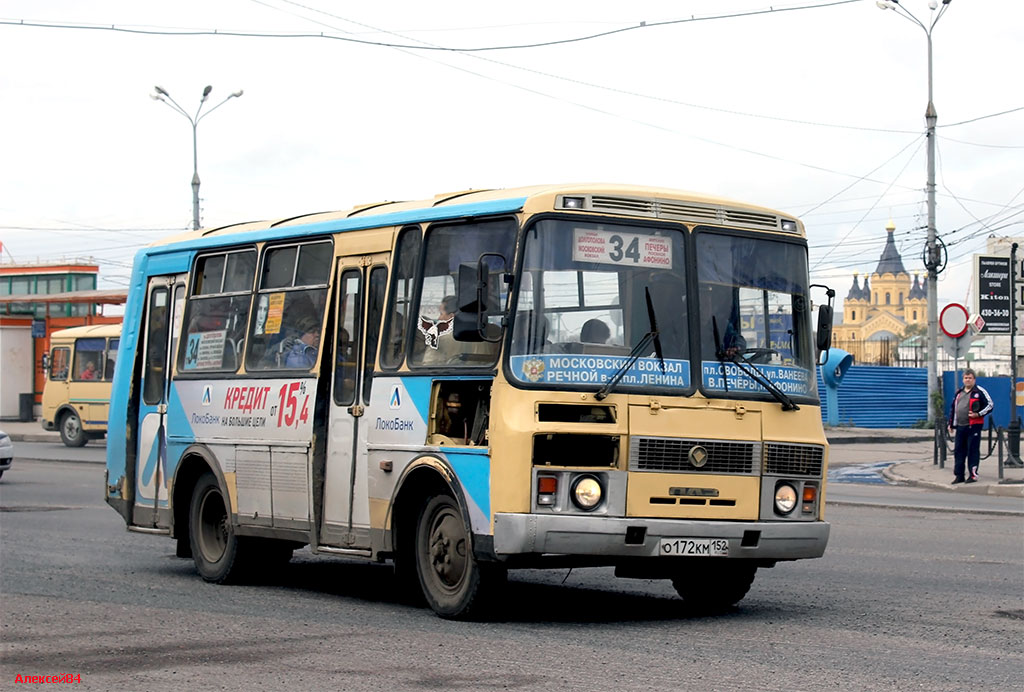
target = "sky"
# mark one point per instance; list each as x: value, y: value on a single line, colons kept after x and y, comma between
x: 813, y: 108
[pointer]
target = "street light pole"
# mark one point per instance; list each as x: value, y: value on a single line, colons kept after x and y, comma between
x: 932, y: 255
x: 162, y: 95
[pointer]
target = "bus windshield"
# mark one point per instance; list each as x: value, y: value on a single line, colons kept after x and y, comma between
x: 581, y: 306
x: 753, y: 306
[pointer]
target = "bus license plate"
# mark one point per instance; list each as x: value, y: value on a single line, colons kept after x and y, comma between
x: 694, y: 547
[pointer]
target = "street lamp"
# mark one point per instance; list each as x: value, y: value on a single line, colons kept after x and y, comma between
x: 932, y: 254
x: 162, y: 95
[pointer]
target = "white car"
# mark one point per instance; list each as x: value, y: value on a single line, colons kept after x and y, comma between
x: 6, y: 452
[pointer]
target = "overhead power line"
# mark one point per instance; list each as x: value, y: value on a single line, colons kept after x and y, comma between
x: 449, y: 49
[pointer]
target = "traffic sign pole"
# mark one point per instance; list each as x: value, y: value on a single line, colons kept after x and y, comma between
x: 1013, y: 432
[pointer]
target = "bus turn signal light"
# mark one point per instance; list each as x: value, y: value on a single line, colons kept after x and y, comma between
x: 810, y: 494
x: 547, y: 488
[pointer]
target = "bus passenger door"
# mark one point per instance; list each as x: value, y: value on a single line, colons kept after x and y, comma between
x: 164, y: 302
x: 346, y: 514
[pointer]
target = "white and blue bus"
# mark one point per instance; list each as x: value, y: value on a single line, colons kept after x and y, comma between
x: 550, y: 376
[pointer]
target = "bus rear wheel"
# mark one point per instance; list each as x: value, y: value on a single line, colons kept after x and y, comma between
x: 716, y: 587
x: 71, y: 432
x: 454, y: 583
x: 216, y: 549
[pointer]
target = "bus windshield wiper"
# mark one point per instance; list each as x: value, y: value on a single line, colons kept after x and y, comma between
x: 645, y: 341
x: 751, y: 372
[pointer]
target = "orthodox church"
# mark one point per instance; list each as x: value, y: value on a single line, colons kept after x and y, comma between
x: 876, y: 314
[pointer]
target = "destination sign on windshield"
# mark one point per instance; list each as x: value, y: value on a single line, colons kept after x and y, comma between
x: 614, y: 247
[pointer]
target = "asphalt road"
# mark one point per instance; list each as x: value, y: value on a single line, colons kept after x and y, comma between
x: 903, y: 599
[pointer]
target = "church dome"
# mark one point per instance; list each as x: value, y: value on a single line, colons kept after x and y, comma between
x: 854, y: 292
x: 890, y: 262
x: 917, y: 291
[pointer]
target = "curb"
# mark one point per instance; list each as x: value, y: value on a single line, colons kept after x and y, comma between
x: 34, y: 437
x: 1002, y: 490
x: 96, y: 462
x: 917, y: 508
x: 855, y: 439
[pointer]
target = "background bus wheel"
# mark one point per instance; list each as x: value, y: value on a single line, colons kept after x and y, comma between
x: 215, y: 548
x: 717, y: 588
x: 71, y: 430
x: 453, y: 582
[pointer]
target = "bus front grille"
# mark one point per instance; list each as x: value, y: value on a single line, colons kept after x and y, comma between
x: 673, y: 455
x: 793, y: 459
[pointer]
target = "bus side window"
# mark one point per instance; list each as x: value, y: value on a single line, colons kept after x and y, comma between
x: 59, y: 358
x: 350, y: 295
x: 89, y: 357
x: 155, y: 371
x: 446, y: 247
x: 374, y: 314
x: 216, y: 312
x: 108, y: 370
x: 288, y: 312
x: 407, y: 252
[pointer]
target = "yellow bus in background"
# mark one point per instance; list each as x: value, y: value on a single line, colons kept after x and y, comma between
x: 80, y: 369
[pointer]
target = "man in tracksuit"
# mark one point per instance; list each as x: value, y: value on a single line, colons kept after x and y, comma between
x: 967, y: 417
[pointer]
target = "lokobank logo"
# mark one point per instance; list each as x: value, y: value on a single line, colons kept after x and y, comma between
x: 395, y: 401
x: 207, y: 395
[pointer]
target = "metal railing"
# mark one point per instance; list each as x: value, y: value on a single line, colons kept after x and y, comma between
x: 943, y: 446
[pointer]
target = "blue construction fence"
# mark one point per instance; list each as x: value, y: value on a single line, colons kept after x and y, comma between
x: 874, y: 396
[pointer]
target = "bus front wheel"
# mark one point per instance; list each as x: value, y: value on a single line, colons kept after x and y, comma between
x: 454, y: 583
x: 215, y: 547
x: 715, y: 587
x: 71, y: 432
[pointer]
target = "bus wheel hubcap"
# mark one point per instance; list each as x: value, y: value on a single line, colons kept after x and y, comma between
x: 214, y: 529
x: 448, y: 548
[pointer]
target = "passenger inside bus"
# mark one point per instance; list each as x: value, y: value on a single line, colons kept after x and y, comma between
x: 303, y: 349
x: 438, y: 336
x: 595, y: 332
x: 89, y: 373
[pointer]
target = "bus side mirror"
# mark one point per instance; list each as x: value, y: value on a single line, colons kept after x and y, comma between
x: 46, y: 362
x: 478, y: 297
x: 466, y: 326
x: 824, y: 331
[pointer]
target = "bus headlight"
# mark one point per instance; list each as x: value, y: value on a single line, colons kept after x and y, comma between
x: 785, y: 498
x: 587, y: 492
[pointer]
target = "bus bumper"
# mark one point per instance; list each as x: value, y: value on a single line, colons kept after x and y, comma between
x: 516, y: 534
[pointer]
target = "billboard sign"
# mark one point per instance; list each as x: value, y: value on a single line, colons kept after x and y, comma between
x: 993, y: 284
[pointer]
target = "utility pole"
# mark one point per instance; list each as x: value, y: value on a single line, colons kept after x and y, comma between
x: 1013, y: 432
x: 933, y: 255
